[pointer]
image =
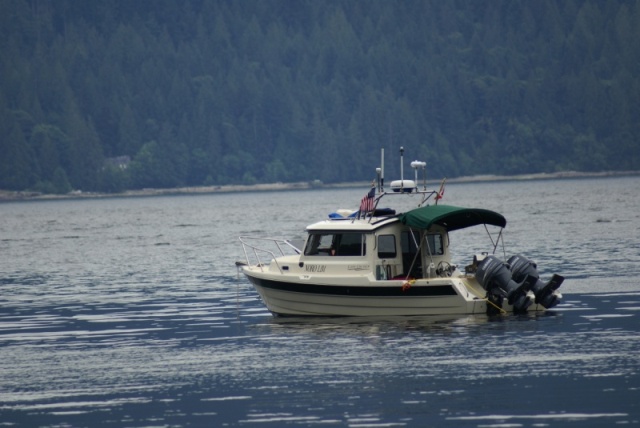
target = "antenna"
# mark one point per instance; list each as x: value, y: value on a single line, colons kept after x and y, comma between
x: 416, y: 165
x: 401, y: 163
x: 381, y: 170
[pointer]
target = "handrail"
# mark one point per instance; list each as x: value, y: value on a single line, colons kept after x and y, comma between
x: 280, y: 244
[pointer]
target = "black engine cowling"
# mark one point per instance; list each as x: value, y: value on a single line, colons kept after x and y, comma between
x: 495, y: 277
x: 546, y: 294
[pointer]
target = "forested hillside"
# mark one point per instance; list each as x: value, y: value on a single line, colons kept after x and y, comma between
x: 197, y: 92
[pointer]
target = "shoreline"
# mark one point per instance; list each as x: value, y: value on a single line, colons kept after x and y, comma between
x: 8, y: 196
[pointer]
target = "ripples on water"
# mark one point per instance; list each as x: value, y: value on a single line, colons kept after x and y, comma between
x: 129, y: 312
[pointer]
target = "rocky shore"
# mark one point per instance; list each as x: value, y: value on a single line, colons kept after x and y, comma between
x: 6, y: 195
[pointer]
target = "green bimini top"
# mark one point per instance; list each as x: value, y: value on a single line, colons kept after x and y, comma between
x: 450, y: 217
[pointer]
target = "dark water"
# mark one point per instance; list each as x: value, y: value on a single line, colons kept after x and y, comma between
x: 129, y: 313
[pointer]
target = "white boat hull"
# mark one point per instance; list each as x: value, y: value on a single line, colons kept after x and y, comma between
x: 289, y: 296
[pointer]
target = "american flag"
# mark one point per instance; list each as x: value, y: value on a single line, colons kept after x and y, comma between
x: 366, y: 204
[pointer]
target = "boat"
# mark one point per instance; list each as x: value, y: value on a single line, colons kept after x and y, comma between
x: 375, y: 261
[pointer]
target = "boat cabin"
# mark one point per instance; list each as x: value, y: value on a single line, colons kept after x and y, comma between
x: 396, y: 251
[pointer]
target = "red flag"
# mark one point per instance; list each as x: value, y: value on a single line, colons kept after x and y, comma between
x: 366, y: 204
x: 440, y: 193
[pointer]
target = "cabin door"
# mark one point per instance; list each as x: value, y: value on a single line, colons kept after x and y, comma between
x: 411, y: 258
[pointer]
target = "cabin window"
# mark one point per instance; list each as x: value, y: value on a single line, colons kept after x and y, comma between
x: 435, y: 247
x: 335, y: 244
x: 386, y: 246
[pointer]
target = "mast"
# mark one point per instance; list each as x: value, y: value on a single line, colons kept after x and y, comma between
x: 402, y: 163
x: 382, y: 170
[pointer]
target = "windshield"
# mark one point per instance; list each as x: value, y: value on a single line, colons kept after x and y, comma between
x: 335, y: 244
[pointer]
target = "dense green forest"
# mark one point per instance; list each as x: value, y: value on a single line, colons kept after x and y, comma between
x: 109, y: 95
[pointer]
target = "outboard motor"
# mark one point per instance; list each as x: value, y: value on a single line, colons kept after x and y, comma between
x: 495, y: 277
x: 546, y: 294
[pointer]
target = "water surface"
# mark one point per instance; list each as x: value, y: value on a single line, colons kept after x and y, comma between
x: 129, y: 312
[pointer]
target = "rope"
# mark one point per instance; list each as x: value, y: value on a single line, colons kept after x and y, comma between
x: 407, y: 284
x: 486, y: 299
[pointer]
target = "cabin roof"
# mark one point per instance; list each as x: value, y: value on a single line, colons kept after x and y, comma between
x: 352, y: 225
